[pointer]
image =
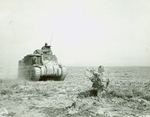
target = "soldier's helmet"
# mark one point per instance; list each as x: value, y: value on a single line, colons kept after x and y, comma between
x: 46, y: 44
x: 45, y: 47
x: 101, y: 69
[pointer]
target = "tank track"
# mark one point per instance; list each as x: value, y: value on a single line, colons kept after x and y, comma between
x: 36, y: 74
x: 64, y: 73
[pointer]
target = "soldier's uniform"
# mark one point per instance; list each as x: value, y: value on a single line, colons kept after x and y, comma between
x: 45, y: 47
x: 47, y: 52
x: 99, y: 83
x: 97, y: 80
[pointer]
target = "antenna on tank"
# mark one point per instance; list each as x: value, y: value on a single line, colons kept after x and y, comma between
x: 52, y: 36
x: 10, y: 23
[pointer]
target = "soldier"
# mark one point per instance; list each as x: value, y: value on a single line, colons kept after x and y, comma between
x: 46, y: 51
x: 45, y: 47
x: 96, y: 78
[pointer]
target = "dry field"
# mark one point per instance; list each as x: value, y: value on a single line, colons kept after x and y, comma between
x: 128, y: 95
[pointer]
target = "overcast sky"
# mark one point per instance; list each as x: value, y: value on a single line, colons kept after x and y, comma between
x: 86, y: 32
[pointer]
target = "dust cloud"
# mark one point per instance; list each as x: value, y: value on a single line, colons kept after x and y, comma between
x: 9, y: 66
x: 8, y: 73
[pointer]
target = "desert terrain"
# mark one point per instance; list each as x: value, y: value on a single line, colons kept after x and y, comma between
x: 128, y: 95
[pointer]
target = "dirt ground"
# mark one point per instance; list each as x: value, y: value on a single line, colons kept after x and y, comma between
x: 128, y: 95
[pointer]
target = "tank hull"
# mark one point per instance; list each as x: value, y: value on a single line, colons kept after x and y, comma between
x: 47, y: 72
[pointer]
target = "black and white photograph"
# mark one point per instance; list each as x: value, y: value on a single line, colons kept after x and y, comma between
x: 74, y: 58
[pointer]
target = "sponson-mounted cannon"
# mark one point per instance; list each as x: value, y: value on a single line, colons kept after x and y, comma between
x: 41, y: 65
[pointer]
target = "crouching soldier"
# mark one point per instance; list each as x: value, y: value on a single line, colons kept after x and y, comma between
x: 99, y: 83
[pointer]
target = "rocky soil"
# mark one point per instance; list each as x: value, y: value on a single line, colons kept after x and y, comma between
x: 128, y: 95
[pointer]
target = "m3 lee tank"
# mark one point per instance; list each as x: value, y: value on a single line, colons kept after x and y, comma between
x: 41, y: 65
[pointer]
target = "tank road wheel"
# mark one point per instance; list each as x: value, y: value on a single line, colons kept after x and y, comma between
x: 36, y: 72
x: 64, y: 73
